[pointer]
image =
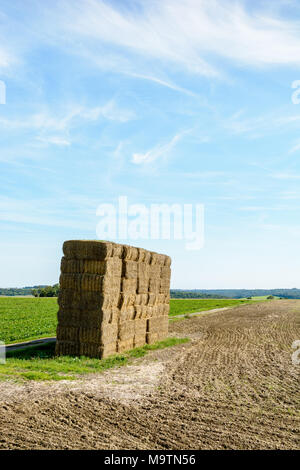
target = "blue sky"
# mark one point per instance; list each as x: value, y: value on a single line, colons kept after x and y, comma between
x: 164, y: 102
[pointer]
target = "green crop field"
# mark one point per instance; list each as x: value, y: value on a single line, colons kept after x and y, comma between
x: 24, y: 319
x: 185, y: 306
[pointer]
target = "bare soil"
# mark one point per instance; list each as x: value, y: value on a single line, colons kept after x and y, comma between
x: 232, y: 387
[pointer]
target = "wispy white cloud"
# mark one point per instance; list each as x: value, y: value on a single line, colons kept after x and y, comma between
x: 285, y: 176
x: 188, y: 33
x: 295, y: 148
x: 109, y: 111
x: 63, y: 121
x: 6, y: 56
x: 157, y: 152
x: 55, y: 140
x: 259, y: 126
x: 290, y: 195
x: 59, y: 128
x: 162, y: 82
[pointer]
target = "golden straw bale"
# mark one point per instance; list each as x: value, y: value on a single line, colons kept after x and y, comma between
x: 130, y: 253
x: 108, y: 350
x: 144, y: 312
x: 71, y: 265
x: 128, y: 286
x: 142, y: 285
x: 151, y: 338
x: 160, y: 310
x: 154, y: 285
x: 137, y: 311
x: 88, y: 249
x: 130, y: 269
x: 126, y: 330
x: 166, y: 273
x: 139, y: 340
x: 127, y: 300
x: 154, y: 271
x: 109, y: 332
x: 152, y: 299
x: 117, y: 250
x: 143, y: 270
x: 127, y: 313
x: 144, y: 256
x: 144, y: 299
x: 140, y: 325
x: 111, y: 267
x: 154, y: 258
x: 125, y: 345
x: 87, y: 300
x: 168, y: 261
x: 157, y: 323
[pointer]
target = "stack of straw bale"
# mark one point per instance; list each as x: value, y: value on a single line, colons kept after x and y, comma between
x: 112, y: 298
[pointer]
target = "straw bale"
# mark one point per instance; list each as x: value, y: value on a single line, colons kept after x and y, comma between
x: 144, y: 256
x: 105, y: 334
x: 164, y: 290
x: 166, y: 272
x: 161, y: 259
x: 88, y: 249
x: 98, y: 351
x: 130, y: 269
x: 154, y: 258
x: 130, y: 253
x: 108, y: 350
x: 154, y: 285
x: 152, y: 299
x: 67, y: 348
x: 126, y: 330
x: 125, y: 345
x: 154, y: 271
x: 168, y: 261
x: 71, y: 265
x: 109, y: 293
x: 157, y: 324
x: 126, y: 300
x: 140, y: 325
x: 160, y: 310
x: 144, y: 299
x: 142, y: 285
x: 139, y: 340
x: 111, y: 267
x: 129, y: 286
x: 67, y: 333
x: 166, y: 309
x: 94, y: 350
x: 151, y: 338
x: 144, y: 311
x: 137, y: 311
x: 127, y: 313
x: 143, y: 270
x: 69, y: 317
x: 117, y: 250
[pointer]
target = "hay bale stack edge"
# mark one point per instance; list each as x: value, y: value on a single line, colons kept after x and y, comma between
x: 112, y: 298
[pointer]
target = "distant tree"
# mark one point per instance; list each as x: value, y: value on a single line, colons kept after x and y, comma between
x: 249, y: 298
x: 270, y: 297
x: 34, y: 292
x: 49, y: 291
